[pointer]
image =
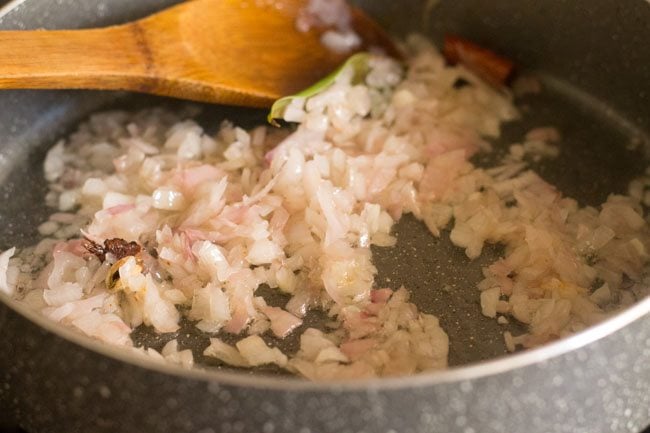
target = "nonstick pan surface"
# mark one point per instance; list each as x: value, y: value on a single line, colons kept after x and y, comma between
x: 604, y: 146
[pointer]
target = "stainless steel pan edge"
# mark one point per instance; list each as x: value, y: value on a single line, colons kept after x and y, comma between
x: 53, y: 380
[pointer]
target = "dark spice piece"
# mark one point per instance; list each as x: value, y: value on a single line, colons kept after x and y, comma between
x: 496, y: 69
x: 121, y: 248
x: 116, y: 246
x: 94, y: 248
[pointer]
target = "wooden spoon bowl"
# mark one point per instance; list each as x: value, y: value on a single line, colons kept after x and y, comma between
x: 239, y: 52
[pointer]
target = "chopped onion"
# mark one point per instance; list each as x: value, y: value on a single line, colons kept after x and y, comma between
x: 167, y: 199
x: 5, y: 286
x: 282, y: 322
x: 226, y: 353
x: 263, y: 251
x: 255, y: 351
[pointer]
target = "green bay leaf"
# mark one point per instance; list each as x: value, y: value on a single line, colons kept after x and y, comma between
x: 358, y: 62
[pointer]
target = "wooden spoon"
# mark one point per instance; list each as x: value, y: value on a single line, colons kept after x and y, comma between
x: 240, y: 52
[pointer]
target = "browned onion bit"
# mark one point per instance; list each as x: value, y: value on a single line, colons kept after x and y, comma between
x: 95, y: 248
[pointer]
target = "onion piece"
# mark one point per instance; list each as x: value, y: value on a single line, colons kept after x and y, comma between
x: 282, y: 322
x: 4, y: 268
x: 255, y: 351
x: 226, y: 353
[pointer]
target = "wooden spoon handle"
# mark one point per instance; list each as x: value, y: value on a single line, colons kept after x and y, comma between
x: 111, y: 58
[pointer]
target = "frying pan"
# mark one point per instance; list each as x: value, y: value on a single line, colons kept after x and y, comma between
x: 594, y: 62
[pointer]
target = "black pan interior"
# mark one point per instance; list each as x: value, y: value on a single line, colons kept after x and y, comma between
x: 595, y: 91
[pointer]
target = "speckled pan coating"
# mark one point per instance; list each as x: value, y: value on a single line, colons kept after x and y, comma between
x: 52, y: 380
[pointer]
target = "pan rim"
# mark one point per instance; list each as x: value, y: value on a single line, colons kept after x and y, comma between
x: 13, y: 4
x: 473, y: 371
